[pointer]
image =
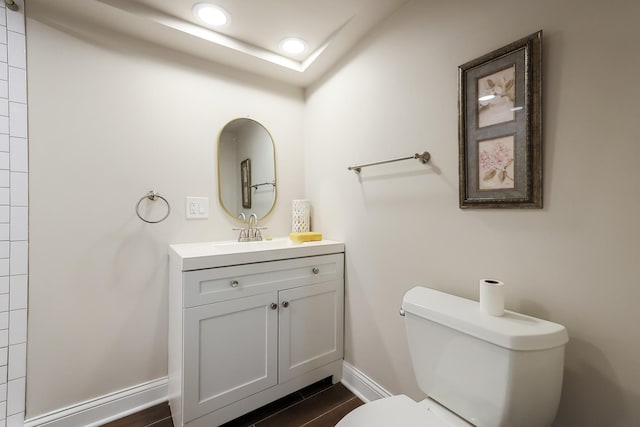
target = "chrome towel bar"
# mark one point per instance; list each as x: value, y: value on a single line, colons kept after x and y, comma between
x: 423, y: 157
x: 255, y: 186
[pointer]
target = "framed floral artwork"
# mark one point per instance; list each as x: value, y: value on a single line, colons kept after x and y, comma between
x: 500, y: 127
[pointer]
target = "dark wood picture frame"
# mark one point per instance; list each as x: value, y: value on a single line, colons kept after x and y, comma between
x: 245, y: 183
x: 500, y: 127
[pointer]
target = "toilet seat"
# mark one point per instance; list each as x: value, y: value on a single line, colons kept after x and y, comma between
x: 397, y: 410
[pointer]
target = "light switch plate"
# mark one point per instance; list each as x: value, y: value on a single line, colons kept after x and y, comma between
x: 197, y: 207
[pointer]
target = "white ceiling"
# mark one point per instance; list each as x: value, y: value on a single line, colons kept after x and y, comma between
x: 250, y: 42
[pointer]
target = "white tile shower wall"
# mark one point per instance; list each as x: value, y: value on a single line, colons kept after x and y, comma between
x: 13, y: 216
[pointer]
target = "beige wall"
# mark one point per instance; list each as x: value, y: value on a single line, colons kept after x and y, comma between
x: 575, y: 262
x: 111, y: 118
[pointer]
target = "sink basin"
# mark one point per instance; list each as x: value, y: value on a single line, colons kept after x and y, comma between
x: 234, y: 245
x: 196, y: 256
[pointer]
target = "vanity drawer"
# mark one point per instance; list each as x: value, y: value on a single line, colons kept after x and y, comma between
x: 225, y: 283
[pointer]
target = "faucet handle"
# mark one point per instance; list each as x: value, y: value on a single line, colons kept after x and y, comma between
x: 258, y: 234
x: 243, y: 234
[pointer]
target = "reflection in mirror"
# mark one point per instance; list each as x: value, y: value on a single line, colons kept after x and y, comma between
x: 246, y: 169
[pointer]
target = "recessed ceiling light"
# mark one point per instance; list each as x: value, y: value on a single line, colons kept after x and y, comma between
x: 211, y: 14
x: 293, y: 45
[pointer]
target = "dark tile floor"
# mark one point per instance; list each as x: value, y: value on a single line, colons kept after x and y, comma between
x: 319, y: 405
x: 156, y: 416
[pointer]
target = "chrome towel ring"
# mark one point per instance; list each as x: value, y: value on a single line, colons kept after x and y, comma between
x: 153, y: 196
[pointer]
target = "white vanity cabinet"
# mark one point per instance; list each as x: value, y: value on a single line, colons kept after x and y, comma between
x: 244, y: 335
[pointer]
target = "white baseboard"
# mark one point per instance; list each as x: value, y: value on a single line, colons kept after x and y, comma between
x: 113, y: 406
x: 107, y: 408
x: 361, y: 385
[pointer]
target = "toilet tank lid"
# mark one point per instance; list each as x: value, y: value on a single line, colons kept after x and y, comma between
x: 514, y: 331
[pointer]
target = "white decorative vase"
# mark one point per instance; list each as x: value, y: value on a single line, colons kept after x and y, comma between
x: 300, y: 216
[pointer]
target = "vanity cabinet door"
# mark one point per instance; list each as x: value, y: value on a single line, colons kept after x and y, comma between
x: 310, y: 327
x: 230, y: 352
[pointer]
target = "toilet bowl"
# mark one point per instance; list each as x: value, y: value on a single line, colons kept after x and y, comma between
x: 402, y: 411
x: 476, y: 369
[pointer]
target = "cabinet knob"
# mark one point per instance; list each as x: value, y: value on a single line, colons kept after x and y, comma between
x: 273, y: 306
x: 285, y: 304
x: 316, y: 270
x: 234, y: 283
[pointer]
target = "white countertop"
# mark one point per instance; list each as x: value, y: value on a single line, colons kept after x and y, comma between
x: 197, y: 256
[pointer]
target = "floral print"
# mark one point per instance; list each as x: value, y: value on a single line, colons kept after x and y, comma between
x: 497, y: 97
x: 495, y: 159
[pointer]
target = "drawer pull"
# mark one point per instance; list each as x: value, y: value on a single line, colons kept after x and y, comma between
x: 285, y: 304
x: 316, y: 270
x: 234, y: 283
x: 273, y: 306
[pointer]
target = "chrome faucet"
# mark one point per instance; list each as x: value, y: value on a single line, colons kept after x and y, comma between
x: 252, y: 232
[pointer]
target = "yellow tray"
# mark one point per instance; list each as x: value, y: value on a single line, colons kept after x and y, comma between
x: 309, y: 236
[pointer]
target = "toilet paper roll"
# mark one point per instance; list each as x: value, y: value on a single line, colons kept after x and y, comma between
x: 492, y: 297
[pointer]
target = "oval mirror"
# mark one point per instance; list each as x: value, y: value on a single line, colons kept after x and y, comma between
x: 246, y: 169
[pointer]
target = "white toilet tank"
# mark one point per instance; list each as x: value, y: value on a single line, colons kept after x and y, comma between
x: 491, y: 371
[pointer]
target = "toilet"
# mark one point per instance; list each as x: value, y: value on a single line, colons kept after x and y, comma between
x: 476, y: 369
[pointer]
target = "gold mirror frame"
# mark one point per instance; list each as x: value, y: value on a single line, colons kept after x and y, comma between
x: 275, y: 177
